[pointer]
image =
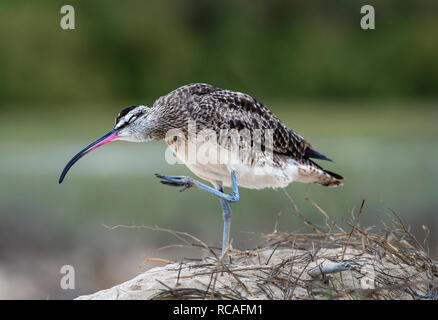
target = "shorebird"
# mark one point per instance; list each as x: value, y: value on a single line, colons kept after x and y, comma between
x: 273, y: 156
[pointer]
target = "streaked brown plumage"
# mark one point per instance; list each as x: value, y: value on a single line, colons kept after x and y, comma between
x: 216, y: 109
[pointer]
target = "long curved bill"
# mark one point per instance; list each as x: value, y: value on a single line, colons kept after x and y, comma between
x: 110, y: 136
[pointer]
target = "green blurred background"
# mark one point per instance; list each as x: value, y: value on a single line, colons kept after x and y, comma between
x: 367, y: 99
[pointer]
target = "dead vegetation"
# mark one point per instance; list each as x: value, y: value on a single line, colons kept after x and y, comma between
x: 332, y: 262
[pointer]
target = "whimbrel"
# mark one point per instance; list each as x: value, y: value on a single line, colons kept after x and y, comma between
x: 242, y: 143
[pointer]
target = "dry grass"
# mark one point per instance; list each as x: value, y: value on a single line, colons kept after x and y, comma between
x: 332, y: 262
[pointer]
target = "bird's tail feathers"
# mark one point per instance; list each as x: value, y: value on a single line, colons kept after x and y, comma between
x: 315, y: 174
x: 333, y: 181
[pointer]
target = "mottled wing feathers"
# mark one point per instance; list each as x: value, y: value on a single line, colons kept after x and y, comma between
x: 216, y: 108
x: 334, y: 175
x: 225, y: 109
x: 312, y: 153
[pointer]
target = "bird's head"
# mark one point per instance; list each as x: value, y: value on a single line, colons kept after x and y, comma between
x: 131, y: 125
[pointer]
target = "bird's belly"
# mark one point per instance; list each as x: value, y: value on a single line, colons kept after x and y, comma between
x: 213, y: 165
x: 251, y: 177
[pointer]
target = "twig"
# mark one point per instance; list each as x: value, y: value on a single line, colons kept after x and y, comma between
x: 352, y: 229
x: 298, y: 213
x: 324, y: 214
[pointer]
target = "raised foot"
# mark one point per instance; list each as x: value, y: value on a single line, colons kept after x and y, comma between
x: 176, y: 181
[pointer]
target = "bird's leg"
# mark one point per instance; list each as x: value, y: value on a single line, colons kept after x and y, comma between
x: 189, y: 182
x: 226, y: 214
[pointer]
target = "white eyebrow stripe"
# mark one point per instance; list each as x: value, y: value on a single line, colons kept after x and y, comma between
x: 120, y: 123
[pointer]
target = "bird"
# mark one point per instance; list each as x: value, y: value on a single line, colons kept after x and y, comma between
x: 225, y: 137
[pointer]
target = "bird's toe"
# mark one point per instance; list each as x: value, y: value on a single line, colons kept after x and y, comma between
x: 171, y: 183
x: 163, y: 176
x: 176, y: 181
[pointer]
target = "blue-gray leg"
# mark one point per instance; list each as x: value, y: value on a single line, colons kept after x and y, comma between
x: 226, y: 214
x: 188, y: 182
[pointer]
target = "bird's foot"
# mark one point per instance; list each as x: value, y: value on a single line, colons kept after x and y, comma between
x: 177, y: 181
